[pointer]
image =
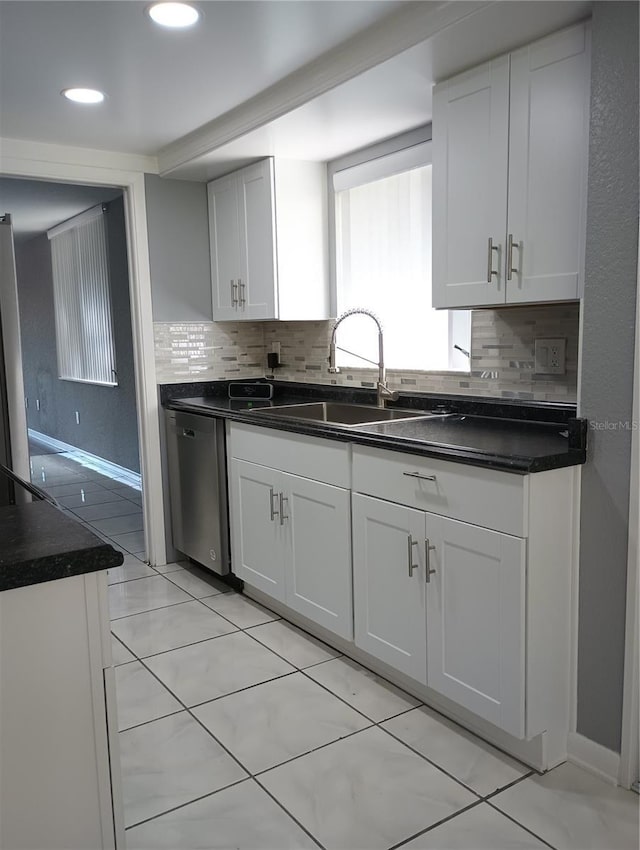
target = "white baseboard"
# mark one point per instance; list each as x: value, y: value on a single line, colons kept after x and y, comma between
x: 593, y: 757
x: 91, y: 461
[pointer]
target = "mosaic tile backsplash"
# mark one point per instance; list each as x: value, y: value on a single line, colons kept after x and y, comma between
x: 502, y: 343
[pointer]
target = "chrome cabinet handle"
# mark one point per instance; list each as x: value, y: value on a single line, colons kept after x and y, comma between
x: 242, y: 300
x: 234, y: 293
x: 490, y: 249
x: 428, y: 571
x: 283, y: 516
x: 510, y: 246
x: 410, y: 544
x: 272, y: 511
x: 419, y: 475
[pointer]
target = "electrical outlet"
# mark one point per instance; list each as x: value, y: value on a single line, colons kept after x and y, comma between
x: 550, y: 356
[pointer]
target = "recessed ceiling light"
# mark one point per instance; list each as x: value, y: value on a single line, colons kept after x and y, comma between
x: 175, y: 15
x: 83, y: 95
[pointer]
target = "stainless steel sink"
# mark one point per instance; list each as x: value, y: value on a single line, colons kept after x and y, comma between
x: 338, y: 413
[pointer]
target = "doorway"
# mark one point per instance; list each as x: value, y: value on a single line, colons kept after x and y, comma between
x: 83, y: 437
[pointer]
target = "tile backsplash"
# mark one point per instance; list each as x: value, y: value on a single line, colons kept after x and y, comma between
x: 502, y: 343
x: 208, y: 351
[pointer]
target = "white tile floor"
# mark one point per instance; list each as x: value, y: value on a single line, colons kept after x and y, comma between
x: 240, y: 731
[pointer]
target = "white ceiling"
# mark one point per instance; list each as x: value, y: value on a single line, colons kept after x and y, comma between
x: 171, y: 93
x: 36, y: 205
x: 160, y: 84
x: 310, y: 79
x: 389, y: 98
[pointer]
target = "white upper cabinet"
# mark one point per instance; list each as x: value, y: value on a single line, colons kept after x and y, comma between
x: 510, y: 154
x: 470, y: 153
x: 268, y: 240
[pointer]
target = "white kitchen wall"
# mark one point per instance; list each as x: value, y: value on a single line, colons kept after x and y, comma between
x: 501, y: 354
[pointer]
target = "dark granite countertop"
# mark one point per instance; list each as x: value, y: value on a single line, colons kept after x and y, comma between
x: 518, y: 438
x: 39, y: 543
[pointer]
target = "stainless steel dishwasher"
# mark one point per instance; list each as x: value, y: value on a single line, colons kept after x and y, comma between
x: 198, y: 488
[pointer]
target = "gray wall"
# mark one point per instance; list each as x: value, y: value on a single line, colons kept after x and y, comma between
x: 607, y: 368
x: 177, y: 224
x: 108, y: 420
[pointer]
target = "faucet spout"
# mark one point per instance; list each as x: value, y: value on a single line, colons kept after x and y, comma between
x: 383, y: 391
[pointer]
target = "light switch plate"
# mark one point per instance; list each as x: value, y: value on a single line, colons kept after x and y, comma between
x: 550, y: 357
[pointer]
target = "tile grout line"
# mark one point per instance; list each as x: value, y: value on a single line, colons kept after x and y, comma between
x: 526, y: 828
x: 182, y: 805
x: 229, y: 753
x: 433, y: 826
x: 373, y: 724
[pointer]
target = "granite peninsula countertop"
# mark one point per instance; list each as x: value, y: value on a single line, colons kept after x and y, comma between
x: 39, y: 543
x: 518, y: 438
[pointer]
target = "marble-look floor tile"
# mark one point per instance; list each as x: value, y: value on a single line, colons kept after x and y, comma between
x: 127, y: 572
x: 294, y: 645
x: 197, y: 583
x: 216, y: 667
x: 373, y: 696
x: 168, y: 568
x: 143, y: 594
x: 59, y: 491
x: 120, y: 653
x: 471, y: 761
x: 242, y: 611
x: 479, y: 828
x: 242, y: 816
x: 169, y: 628
x: 106, y: 510
x: 120, y: 524
x: 89, y: 497
x: 133, y: 541
x: 274, y: 722
x: 368, y: 791
x: 573, y: 810
x: 170, y: 762
x: 140, y: 696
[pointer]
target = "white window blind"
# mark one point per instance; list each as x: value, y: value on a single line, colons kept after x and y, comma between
x: 82, y: 299
x: 383, y: 262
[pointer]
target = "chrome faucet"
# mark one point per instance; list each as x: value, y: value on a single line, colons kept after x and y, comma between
x: 382, y: 389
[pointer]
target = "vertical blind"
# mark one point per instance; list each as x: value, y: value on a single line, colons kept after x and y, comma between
x: 82, y: 299
x: 383, y: 262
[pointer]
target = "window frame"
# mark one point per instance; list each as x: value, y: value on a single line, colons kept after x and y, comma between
x: 100, y: 292
x: 364, y: 160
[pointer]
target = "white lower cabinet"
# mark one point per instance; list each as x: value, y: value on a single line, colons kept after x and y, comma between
x: 476, y: 620
x: 443, y: 602
x: 457, y: 578
x: 389, y: 594
x: 59, y: 753
x: 291, y: 539
x: 257, y: 538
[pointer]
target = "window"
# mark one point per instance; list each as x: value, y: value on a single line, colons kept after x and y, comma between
x: 82, y: 299
x: 383, y: 263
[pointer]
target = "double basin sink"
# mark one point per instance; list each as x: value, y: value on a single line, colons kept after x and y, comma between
x: 339, y: 413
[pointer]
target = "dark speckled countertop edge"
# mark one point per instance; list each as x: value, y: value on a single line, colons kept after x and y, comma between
x: 38, y: 564
x: 517, y: 464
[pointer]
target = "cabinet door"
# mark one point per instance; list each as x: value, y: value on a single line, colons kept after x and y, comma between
x: 476, y: 620
x: 256, y: 533
x: 224, y: 245
x: 318, y: 558
x: 470, y: 149
x: 257, y: 289
x: 389, y: 603
x: 549, y: 131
